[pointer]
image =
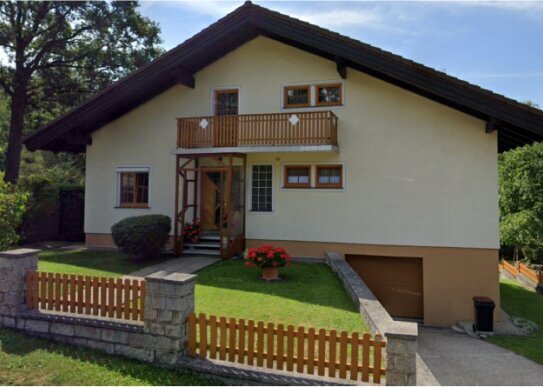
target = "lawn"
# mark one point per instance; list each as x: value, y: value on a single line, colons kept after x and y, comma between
x: 521, y: 302
x: 32, y: 361
x: 309, y: 294
x: 102, y: 263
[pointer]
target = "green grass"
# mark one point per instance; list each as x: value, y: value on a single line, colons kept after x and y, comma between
x: 521, y: 302
x: 32, y: 361
x: 309, y: 294
x: 102, y: 263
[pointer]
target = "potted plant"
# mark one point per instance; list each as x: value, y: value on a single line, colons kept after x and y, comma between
x: 269, y: 258
x: 192, y: 231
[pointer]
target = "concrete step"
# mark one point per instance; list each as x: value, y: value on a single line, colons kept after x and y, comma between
x: 203, y: 245
x: 210, y: 237
x: 209, y: 252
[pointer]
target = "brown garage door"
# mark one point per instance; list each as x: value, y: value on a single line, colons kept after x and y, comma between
x: 395, y: 281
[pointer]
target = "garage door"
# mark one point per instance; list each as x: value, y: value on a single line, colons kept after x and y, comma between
x: 395, y: 281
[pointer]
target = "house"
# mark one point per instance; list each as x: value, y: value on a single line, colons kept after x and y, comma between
x: 273, y: 130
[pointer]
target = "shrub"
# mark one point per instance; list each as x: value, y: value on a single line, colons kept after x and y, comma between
x: 12, y: 208
x: 142, y: 236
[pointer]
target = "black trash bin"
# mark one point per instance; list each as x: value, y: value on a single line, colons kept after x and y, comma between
x: 484, y: 314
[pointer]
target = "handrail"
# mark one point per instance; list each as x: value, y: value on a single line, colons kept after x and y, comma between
x: 267, y: 129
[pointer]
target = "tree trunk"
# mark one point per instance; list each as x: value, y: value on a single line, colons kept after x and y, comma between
x: 13, y: 153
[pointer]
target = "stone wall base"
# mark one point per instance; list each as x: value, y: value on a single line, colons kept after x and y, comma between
x: 244, y: 375
x: 116, y: 338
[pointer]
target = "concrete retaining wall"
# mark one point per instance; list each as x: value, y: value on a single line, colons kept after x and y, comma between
x: 401, y: 349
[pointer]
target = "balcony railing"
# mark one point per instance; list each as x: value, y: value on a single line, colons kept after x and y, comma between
x: 244, y: 130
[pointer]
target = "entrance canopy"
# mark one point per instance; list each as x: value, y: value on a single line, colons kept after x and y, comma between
x: 212, y: 188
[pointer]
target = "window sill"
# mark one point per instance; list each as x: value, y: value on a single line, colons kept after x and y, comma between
x: 324, y: 189
x: 133, y: 207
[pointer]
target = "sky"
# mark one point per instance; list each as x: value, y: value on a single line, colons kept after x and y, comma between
x: 497, y: 45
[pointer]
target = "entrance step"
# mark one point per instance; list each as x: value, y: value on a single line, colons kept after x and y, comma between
x: 210, y: 237
x: 210, y: 252
x: 203, y: 245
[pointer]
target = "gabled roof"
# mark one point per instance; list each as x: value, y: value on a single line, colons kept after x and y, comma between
x: 517, y: 123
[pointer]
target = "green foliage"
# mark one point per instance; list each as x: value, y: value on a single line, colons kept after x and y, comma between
x: 4, y: 125
x: 43, y: 195
x: 521, y: 199
x: 142, y: 236
x: 58, y: 53
x: 12, y: 208
x: 61, y: 168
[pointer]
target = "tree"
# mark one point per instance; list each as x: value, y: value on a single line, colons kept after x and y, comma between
x: 521, y: 199
x: 59, y: 52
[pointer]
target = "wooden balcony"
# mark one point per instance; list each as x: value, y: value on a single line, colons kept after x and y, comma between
x: 258, y: 130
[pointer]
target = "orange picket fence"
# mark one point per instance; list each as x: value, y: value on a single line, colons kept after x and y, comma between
x: 325, y: 353
x: 93, y: 296
x: 533, y: 275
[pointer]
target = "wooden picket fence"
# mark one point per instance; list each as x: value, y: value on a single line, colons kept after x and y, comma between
x: 509, y: 268
x: 325, y: 353
x: 93, y: 296
x: 521, y: 268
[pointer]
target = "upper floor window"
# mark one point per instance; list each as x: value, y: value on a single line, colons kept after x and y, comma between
x: 328, y: 95
x: 297, y: 176
x: 329, y: 176
x: 134, y: 188
x: 297, y: 96
x: 313, y: 95
x: 226, y: 102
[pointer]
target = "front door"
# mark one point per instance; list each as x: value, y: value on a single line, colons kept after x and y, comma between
x: 226, y: 128
x: 211, y: 200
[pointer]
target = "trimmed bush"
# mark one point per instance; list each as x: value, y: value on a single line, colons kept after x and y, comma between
x: 142, y: 236
x: 12, y: 208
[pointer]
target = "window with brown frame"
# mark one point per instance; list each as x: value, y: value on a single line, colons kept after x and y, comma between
x: 329, y: 176
x: 297, y: 176
x: 134, y: 189
x: 297, y: 96
x: 328, y: 95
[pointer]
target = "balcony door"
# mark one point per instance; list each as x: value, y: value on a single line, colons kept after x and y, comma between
x: 226, y: 120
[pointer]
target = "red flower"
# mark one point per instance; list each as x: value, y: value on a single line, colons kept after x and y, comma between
x: 247, y: 263
x: 269, y: 255
x: 259, y: 259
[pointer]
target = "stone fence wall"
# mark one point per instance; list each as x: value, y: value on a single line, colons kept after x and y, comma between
x: 401, y: 349
x: 159, y: 339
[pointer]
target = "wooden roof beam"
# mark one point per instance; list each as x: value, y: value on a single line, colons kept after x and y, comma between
x: 492, y: 125
x: 341, y: 68
x: 184, y: 77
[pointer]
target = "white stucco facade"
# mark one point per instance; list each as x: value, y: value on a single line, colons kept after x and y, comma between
x: 417, y: 173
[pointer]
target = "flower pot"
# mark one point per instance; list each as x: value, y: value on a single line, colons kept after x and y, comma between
x: 270, y: 273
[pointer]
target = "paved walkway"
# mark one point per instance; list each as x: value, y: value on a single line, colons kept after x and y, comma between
x: 450, y: 358
x: 188, y: 265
